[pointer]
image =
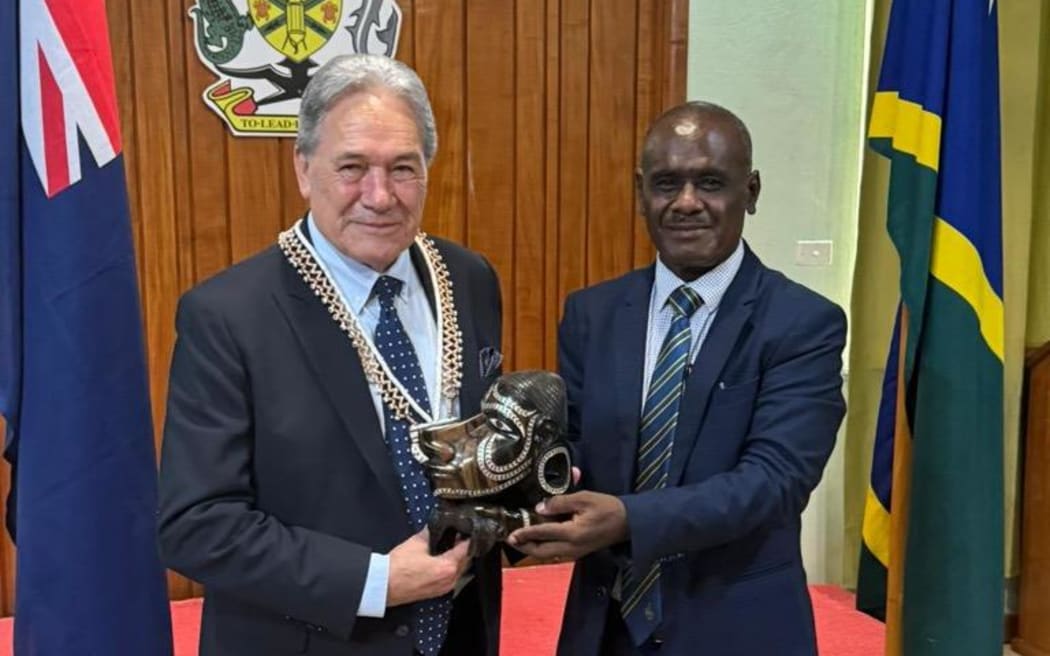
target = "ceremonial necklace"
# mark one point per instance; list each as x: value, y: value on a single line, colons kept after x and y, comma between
x: 302, y: 256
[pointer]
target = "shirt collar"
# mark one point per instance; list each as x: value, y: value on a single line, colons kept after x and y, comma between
x: 711, y: 286
x: 354, y: 279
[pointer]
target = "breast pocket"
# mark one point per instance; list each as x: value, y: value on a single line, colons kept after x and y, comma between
x: 731, y: 408
x: 734, y: 393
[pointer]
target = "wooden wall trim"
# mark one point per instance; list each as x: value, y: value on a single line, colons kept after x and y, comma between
x: 1033, y: 618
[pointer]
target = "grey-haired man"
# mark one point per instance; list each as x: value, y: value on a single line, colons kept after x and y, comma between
x: 287, y: 486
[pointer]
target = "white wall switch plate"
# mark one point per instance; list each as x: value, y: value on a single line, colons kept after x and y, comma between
x: 813, y: 252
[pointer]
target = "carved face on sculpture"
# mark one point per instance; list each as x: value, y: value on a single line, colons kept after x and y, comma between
x: 516, y: 439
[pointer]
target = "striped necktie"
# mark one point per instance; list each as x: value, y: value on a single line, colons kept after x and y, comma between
x: 430, y: 615
x: 641, y: 607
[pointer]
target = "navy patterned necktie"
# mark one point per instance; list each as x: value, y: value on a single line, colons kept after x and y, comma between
x: 641, y: 605
x: 430, y: 616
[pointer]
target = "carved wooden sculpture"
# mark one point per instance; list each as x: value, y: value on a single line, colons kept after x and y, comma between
x: 489, y: 471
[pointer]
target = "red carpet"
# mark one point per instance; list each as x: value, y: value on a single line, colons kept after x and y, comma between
x: 535, y: 602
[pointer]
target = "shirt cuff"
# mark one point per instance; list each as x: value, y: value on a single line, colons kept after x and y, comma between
x: 373, y: 598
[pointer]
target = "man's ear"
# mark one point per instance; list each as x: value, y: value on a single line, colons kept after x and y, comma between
x: 754, y: 187
x: 302, y: 163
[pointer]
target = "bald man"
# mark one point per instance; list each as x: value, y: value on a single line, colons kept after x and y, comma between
x: 702, y: 437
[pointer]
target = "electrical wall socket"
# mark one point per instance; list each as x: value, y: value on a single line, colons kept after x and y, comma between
x: 813, y: 252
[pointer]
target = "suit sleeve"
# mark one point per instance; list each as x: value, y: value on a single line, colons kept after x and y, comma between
x: 209, y: 526
x: 797, y: 413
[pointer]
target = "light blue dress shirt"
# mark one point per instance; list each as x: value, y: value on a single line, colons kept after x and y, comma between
x: 355, y: 280
x: 711, y: 287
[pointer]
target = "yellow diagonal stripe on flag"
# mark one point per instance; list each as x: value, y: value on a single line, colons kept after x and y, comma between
x: 876, y: 530
x: 955, y: 262
x: 913, y: 129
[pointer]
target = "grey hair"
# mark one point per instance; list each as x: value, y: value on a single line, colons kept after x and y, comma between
x: 349, y: 74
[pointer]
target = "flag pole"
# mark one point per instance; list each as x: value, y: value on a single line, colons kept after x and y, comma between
x: 899, y: 502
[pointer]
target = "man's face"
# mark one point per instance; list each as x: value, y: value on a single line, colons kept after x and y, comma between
x: 366, y: 181
x: 694, y: 191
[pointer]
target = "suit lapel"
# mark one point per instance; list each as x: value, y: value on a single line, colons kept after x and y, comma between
x: 339, y: 373
x: 730, y: 325
x: 470, y: 385
x: 629, y: 328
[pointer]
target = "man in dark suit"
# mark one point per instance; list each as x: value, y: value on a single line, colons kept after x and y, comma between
x: 705, y: 392
x: 287, y: 486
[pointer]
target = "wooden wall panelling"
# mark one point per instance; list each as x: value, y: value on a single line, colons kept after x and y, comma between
x: 646, y: 81
x: 153, y: 196
x: 611, y: 153
x: 490, y: 146
x: 406, y: 45
x: 440, y: 44
x: 254, y: 196
x: 292, y: 204
x: 674, y: 25
x: 118, y: 16
x: 574, y: 62
x: 552, y: 133
x: 175, y: 25
x: 529, y: 184
x: 207, y: 191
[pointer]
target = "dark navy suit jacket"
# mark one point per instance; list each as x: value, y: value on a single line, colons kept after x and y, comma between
x: 276, y: 484
x: 757, y: 423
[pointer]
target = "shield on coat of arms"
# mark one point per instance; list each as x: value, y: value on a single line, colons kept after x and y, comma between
x: 296, y: 28
x: 264, y: 52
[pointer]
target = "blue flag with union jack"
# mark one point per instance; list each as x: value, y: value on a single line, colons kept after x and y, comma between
x: 73, y: 387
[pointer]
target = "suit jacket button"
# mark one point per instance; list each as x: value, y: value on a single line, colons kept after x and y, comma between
x: 602, y: 591
x: 401, y: 631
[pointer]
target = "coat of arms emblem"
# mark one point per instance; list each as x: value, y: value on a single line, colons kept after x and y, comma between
x: 264, y: 57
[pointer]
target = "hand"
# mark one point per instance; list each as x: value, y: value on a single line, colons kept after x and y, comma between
x: 597, y: 521
x: 416, y: 575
